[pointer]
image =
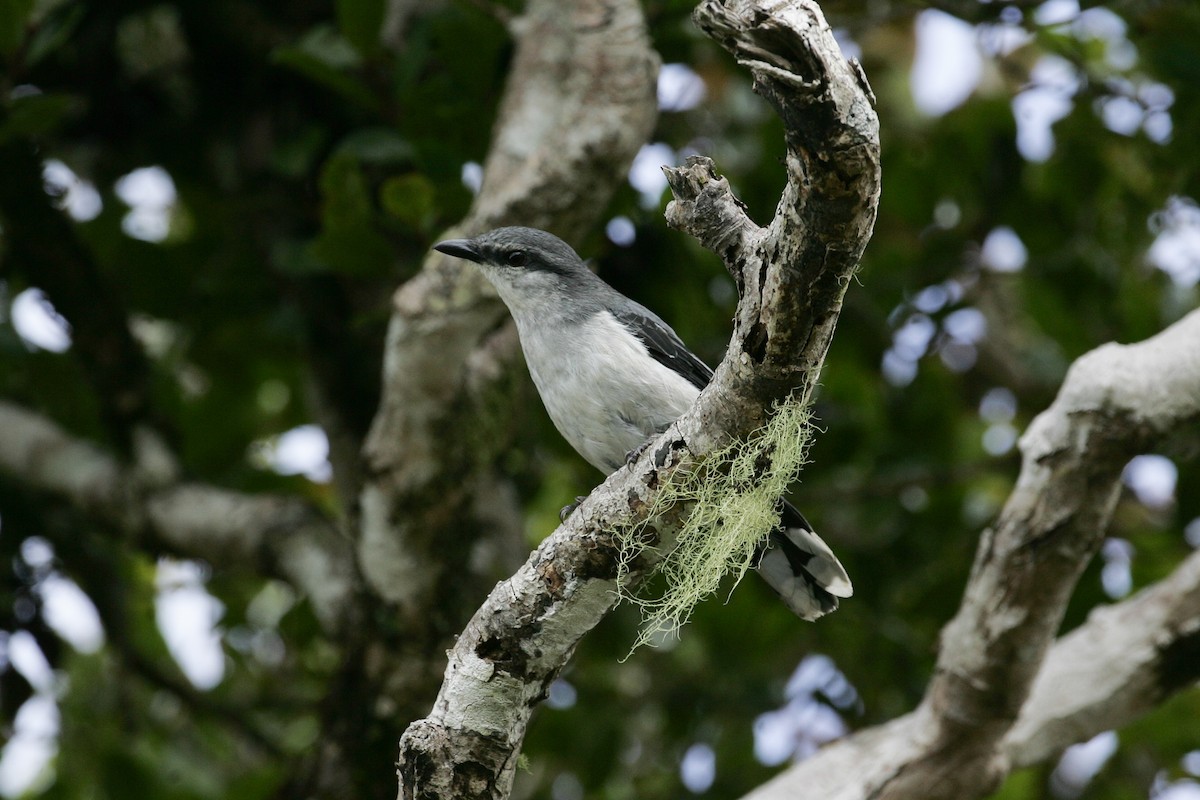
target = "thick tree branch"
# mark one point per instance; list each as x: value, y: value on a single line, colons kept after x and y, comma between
x: 793, y: 274
x: 223, y: 527
x: 1120, y: 664
x: 1116, y: 402
x: 792, y: 278
x: 578, y: 104
x: 503, y: 663
x: 1125, y: 660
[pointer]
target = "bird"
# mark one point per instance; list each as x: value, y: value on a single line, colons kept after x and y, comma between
x: 612, y: 376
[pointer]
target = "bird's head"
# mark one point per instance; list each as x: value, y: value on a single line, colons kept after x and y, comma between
x: 529, y: 268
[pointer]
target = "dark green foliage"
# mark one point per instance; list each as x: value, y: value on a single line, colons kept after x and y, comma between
x: 314, y: 164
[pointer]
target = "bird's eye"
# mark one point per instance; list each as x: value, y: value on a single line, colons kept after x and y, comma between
x: 517, y: 258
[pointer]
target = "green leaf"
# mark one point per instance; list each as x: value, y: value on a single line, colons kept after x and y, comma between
x: 53, y: 33
x: 410, y: 199
x: 37, y: 114
x: 382, y: 146
x: 346, y: 199
x: 296, y: 257
x: 330, y: 47
x: 360, y: 21
x: 320, y: 72
x: 296, y: 155
x: 326, y: 58
x: 348, y: 241
x: 14, y: 20
x: 354, y: 250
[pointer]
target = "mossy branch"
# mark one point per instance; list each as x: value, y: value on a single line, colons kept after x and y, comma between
x: 734, y: 496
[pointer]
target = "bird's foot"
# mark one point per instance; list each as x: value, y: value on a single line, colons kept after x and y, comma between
x: 636, y: 453
x: 566, y: 511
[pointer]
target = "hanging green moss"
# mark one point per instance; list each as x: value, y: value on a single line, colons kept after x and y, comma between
x: 734, y: 496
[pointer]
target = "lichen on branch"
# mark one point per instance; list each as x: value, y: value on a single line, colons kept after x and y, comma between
x: 733, y: 496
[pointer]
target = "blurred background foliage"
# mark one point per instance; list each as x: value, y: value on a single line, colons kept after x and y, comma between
x: 253, y: 179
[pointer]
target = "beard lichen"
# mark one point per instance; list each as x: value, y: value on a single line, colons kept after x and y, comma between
x: 734, y: 496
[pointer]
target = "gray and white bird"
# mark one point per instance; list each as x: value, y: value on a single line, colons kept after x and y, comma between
x: 612, y: 375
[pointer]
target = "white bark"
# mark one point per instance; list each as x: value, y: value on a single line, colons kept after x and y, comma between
x: 1117, y: 401
x: 578, y: 104
x: 1119, y: 665
x: 792, y: 277
x: 286, y: 535
x: 1125, y: 660
x: 1004, y: 694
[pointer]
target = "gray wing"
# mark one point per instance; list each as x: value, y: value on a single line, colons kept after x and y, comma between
x: 663, y: 344
x: 795, y: 562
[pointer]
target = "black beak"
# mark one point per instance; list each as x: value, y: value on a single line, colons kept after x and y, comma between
x: 461, y: 248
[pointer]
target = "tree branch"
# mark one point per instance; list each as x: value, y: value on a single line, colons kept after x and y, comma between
x: 792, y: 277
x: 578, y: 103
x: 217, y: 525
x: 1117, y: 401
x: 1125, y: 660
x: 793, y: 274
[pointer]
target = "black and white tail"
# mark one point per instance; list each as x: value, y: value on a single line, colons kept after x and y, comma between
x: 801, y: 568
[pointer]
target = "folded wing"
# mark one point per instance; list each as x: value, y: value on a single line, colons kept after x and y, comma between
x: 801, y: 568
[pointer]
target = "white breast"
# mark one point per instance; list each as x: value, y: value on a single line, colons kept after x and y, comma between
x: 603, y: 391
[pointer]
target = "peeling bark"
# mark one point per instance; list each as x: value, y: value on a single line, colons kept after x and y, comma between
x: 503, y: 663
x: 1125, y: 660
x: 999, y: 697
x: 792, y: 274
x: 792, y: 277
x: 578, y: 104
